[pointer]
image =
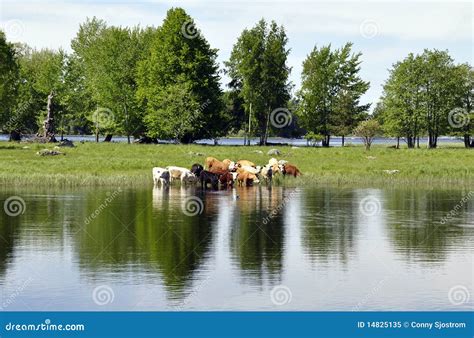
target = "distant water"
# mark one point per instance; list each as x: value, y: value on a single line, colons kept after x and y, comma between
x: 247, y: 249
x: 335, y: 141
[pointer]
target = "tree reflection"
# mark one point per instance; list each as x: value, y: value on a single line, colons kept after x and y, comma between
x: 329, y: 224
x: 258, y: 234
x: 415, y: 223
x: 151, y: 233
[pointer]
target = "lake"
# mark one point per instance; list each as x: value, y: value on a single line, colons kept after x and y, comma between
x: 336, y: 141
x: 256, y: 248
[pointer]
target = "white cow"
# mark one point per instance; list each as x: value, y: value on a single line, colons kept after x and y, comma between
x: 183, y: 174
x: 273, y: 161
x: 158, y: 176
x: 253, y: 170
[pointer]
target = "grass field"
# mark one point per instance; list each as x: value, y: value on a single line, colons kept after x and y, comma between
x: 92, y: 164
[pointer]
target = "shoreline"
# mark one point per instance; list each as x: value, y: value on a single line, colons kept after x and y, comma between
x: 92, y: 164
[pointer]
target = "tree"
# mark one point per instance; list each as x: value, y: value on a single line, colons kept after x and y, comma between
x: 461, y: 118
x: 109, y: 56
x: 259, y: 72
x: 367, y: 130
x: 178, y: 97
x: 41, y: 72
x: 438, y: 92
x: 179, y: 55
x: 330, y: 91
x: 418, y: 96
x: 9, y: 73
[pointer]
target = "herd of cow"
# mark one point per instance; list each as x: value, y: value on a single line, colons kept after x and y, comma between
x: 224, y: 173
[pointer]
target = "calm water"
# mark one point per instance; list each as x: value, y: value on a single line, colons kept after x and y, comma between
x: 315, y: 248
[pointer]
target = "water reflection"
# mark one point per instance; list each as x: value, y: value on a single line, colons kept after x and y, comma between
x: 416, y: 225
x: 257, y: 237
x: 238, y: 242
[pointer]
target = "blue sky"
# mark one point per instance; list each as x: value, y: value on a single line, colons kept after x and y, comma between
x: 384, y: 31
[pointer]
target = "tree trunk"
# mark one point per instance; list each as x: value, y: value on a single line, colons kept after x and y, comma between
x: 15, y: 136
x: 48, y: 124
x: 410, y: 142
x: 325, y: 141
x: 467, y: 141
x: 128, y: 139
x: 398, y: 142
x: 432, y: 141
x: 342, y: 140
x: 267, y: 126
x: 418, y: 142
x: 108, y: 138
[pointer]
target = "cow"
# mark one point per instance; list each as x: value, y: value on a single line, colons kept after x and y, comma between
x: 208, y: 177
x: 244, y: 178
x: 213, y: 164
x: 226, y: 179
x: 196, y: 169
x: 157, y: 176
x: 272, y: 162
x: 165, y: 178
x: 253, y: 170
x: 290, y: 169
x: 267, y: 173
x: 180, y: 173
x: 242, y: 163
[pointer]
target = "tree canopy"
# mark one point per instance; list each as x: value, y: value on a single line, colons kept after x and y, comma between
x: 330, y: 92
x: 163, y: 83
x: 259, y: 72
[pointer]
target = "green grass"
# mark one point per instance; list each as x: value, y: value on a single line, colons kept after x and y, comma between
x: 92, y: 164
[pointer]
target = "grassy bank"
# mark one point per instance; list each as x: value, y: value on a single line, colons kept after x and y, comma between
x: 92, y: 164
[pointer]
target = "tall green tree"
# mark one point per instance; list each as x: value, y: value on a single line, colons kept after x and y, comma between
x: 259, y: 72
x: 418, y: 96
x: 401, y: 101
x: 9, y: 74
x: 109, y: 56
x: 438, y: 82
x: 330, y: 92
x: 180, y: 56
x: 461, y: 118
x: 41, y: 72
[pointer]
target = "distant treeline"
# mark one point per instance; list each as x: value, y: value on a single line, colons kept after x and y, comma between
x: 164, y: 82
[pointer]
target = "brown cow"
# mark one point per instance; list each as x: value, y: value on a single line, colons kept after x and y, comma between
x: 225, y: 178
x: 244, y: 178
x: 290, y: 169
x: 214, y: 165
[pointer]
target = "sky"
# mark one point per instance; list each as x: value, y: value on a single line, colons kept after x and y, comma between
x: 383, y: 31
